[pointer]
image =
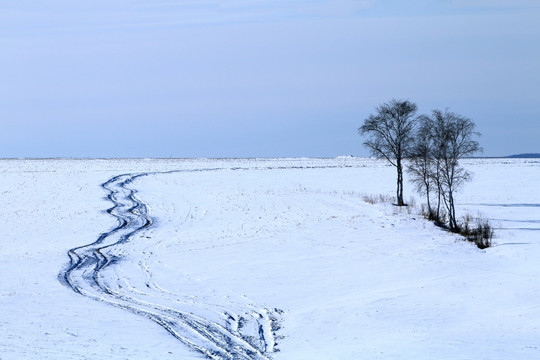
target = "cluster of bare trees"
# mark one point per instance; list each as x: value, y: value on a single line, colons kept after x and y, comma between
x: 432, y: 144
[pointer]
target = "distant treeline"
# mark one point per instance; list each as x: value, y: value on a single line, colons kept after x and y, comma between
x: 528, y: 156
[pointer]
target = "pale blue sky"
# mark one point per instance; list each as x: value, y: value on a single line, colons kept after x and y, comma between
x: 266, y: 78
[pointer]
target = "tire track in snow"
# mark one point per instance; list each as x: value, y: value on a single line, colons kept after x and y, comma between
x: 250, y: 335
x: 212, y: 339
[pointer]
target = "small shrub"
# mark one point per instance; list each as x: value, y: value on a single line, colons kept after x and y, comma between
x: 481, y: 234
x: 370, y: 199
x: 431, y: 214
x: 440, y: 219
x: 375, y: 199
x: 427, y: 213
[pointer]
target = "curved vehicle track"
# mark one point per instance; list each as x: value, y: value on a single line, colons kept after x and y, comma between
x: 84, y: 274
x: 249, y: 335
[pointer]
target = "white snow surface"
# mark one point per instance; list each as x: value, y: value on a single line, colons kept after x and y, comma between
x: 287, y: 241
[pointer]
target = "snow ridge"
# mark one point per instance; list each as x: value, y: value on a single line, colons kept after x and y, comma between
x: 250, y: 335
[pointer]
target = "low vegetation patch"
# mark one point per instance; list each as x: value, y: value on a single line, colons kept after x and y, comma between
x: 376, y: 199
x: 474, y: 229
x: 478, y: 231
x: 438, y: 217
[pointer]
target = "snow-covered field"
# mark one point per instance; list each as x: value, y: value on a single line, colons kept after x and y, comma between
x: 261, y: 259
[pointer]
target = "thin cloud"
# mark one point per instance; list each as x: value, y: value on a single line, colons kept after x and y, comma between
x: 495, y: 4
x: 29, y: 18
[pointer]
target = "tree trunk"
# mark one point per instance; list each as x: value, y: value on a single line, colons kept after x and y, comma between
x: 439, y: 195
x: 427, y: 185
x: 439, y: 190
x: 399, y: 192
x: 427, y: 197
x: 452, y: 212
x: 452, y: 223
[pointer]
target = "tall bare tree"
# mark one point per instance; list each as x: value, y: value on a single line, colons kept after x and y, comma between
x: 455, y: 142
x: 422, y: 166
x: 389, y: 135
x: 441, y: 141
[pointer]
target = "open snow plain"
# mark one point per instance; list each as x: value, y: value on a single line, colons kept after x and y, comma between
x: 260, y: 259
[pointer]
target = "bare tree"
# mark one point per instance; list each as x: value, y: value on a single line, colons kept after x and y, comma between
x: 452, y: 139
x: 426, y: 156
x: 422, y: 166
x: 389, y: 135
